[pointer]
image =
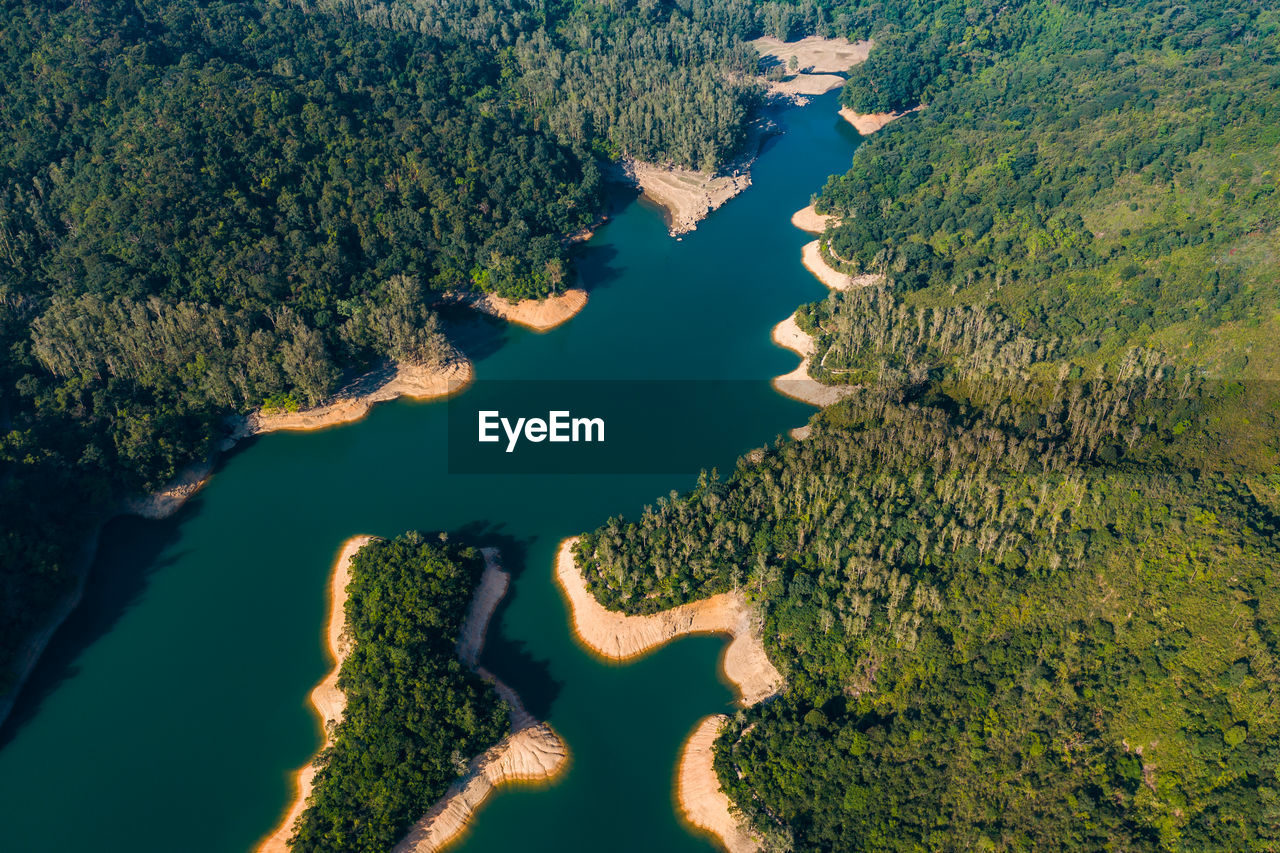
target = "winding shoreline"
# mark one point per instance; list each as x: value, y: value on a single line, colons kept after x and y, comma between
x: 532, y: 754
x: 619, y: 637
x: 798, y: 384
x: 702, y: 803
x: 540, y: 315
x: 868, y: 123
x: 327, y: 700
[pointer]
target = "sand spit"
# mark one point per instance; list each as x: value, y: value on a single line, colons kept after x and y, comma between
x: 698, y: 792
x: 869, y: 123
x: 619, y: 637
x: 798, y: 384
x: 537, y: 314
x: 687, y: 195
x: 811, y: 256
x: 326, y: 697
x: 354, y: 402
x: 808, y: 219
x: 532, y: 753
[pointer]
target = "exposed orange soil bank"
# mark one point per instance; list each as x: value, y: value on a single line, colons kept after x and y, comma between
x: 326, y: 697
x: 698, y: 792
x: 620, y: 637
x: 746, y: 665
x: 808, y: 219
x: 350, y: 404
x: 537, y: 314
x: 532, y: 753
x: 869, y: 123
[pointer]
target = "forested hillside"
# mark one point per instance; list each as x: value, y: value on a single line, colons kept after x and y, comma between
x: 209, y: 206
x: 1022, y: 583
x: 414, y: 715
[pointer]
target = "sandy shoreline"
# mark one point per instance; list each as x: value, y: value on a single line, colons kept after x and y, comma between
x: 868, y: 123
x: 326, y: 698
x: 538, y: 314
x: 820, y: 64
x: 746, y: 665
x: 702, y: 802
x: 811, y: 257
x: 808, y: 219
x: 620, y: 637
x: 798, y: 384
x: 533, y: 753
x: 686, y: 195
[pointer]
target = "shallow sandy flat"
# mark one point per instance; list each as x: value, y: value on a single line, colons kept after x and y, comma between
x: 798, y: 384
x: 328, y: 700
x: 805, y: 84
x: 869, y: 123
x: 698, y: 791
x: 807, y: 219
x: 537, y: 314
x: 815, y: 55
x: 687, y: 195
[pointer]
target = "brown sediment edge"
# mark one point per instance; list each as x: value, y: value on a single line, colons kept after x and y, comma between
x: 868, y: 123
x: 798, y: 384
x: 702, y: 803
x: 326, y: 698
x: 619, y: 637
x: 808, y: 219
x: 811, y: 257
x: 746, y: 665
x: 532, y: 754
x: 541, y: 315
x: 686, y: 195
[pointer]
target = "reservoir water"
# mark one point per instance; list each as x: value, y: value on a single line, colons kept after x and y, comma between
x: 170, y: 712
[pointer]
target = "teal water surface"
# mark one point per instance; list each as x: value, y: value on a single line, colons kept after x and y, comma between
x: 171, y: 711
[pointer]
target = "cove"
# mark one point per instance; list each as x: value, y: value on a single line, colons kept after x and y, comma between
x: 170, y: 713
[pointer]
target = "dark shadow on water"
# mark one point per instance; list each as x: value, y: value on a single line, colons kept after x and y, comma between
x: 511, y: 660
x: 478, y: 335
x: 128, y: 554
x: 595, y: 266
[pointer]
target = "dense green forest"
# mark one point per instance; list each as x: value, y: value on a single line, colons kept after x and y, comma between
x: 1021, y: 584
x: 210, y: 206
x: 1005, y: 627
x: 414, y: 715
